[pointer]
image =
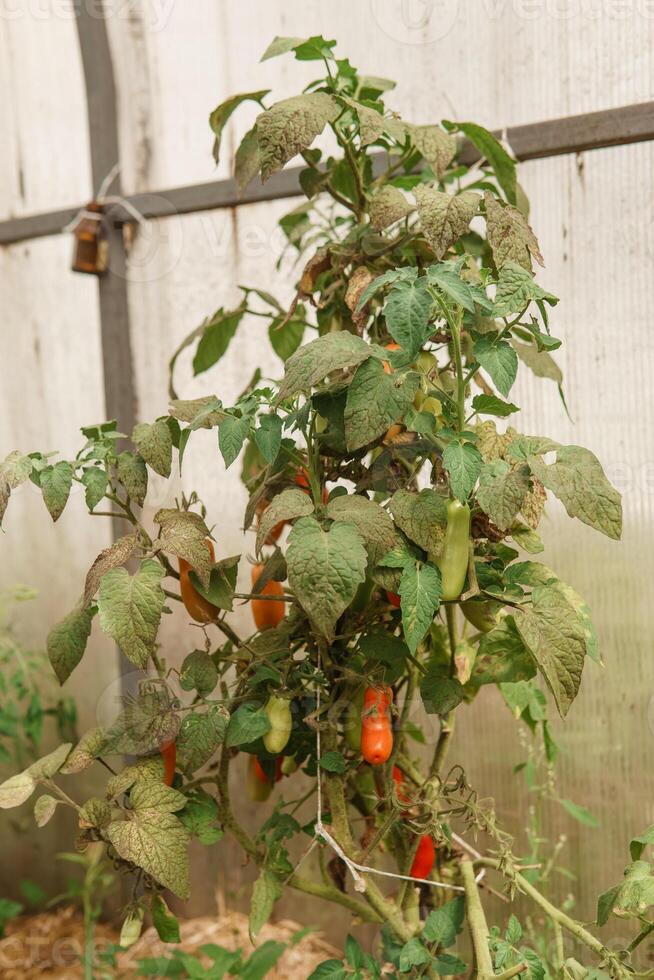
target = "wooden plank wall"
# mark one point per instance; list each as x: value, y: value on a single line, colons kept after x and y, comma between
x: 499, y: 63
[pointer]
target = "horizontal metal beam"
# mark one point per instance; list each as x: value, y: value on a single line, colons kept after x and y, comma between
x: 534, y: 141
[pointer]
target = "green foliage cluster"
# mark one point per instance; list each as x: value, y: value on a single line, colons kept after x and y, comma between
x: 415, y: 305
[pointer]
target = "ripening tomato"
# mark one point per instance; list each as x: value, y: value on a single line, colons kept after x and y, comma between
x: 302, y: 481
x: 259, y: 786
x: 376, y: 731
x: 423, y: 862
x: 394, y: 599
x: 198, y: 608
x: 392, y: 434
x: 398, y: 779
x: 267, y: 612
x: 387, y: 368
x: 168, y: 751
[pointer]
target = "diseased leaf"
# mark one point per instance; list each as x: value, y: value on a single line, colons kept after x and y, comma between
x: 291, y: 126
x: 463, y: 462
x: 198, y: 673
x: 202, y: 413
x: 16, y: 790
x: 133, y: 474
x: 14, y: 470
x: 502, y: 491
x: 555, y: 637
x: 232, y: 433
x: 247, y: 160
x: 499, y: 360
x: 540, y: 363
x: 509, y: 235
x: 117, y: 554
x: 423, y: 518
x: 154, y: 443
x: 247, y: 724
x: 502, y: 657
x: 436, y: 146
x: 56, y: 482
x: 313, y: 362
x: 85, y: 752
x: 371, y: 521
x: 95, y: 482
x: 387, y: 206
x: 50, y: 764
x: 630, y: 899
x: 375, y: 400
x: 420, y: 594
x: 444, y: 924
x: 152, y: 837
x: 325, y: 569
x: 185, y: 534
x: 67, y: 641
x: 267, y: 889
x: 44, y: 809
x: 199, y: 736
x: 444, y: 217
x: 130, y: 609
x: 286, y: 506
x: 440, y: 693
x: 578, y: 480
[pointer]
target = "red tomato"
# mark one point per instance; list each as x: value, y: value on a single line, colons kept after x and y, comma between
x: 302, y: 481
x: 267, y: 613
x: 393, y: 599
x: 376, y: 731
x: 423, y: 862
x: 198, y: 608
x: 168, y: 752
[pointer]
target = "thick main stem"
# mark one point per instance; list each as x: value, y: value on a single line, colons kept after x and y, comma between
x: 476, y: 921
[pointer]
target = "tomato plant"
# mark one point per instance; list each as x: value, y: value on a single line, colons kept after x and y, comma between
x: 407, y: 572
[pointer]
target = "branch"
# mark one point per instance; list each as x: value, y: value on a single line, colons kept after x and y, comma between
x: 476, y: 921
x: 332, y: 894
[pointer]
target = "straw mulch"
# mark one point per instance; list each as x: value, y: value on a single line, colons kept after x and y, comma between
x: 49, y: 945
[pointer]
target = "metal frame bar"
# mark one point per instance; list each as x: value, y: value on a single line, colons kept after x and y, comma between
x: 535, y: 141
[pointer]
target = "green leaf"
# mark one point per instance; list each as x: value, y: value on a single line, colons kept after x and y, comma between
x: 407, y: 274
x: 153, y: 838
x: 580, y: 813
x: 491, y: 405
x: 267, y: 889
x: 329, y: 970
x: 291, y: 126
x: 232, y: 433
x: 215, y: 339
x: 493, y: 151
x: 198, y: 673
x: 262, y: 960
x: 516, y: 289
x: 539, y: 363
x: 375, y: 400
x: 67, y: 641
x: 420, y: 594
x: 164, y: 921
x: 513, y: 932
x: 509, y: 234
x: 325, y: 569
x: 285, y: 335
x: 440, y: 693
x: 371, y: 521
x: 444, y: 924
x: 199, y: 736
x: 502, y: 490
x: 221, y: 114
x: 184, y: 534
x: 638, y: 844
x: 444, y: 217
x: 247, y: 724
x: 56, y: 482
x: 354, y: 954
x: 413, y: 954
x: 578, y: 480
x: 281, y: 45
x: 130, y: 609
x: 447, y: 277
x: 407, y: 309
x: 463, y: 462
x: 555, y: 637
x: 423, y: 518
x: 95, y: 482
x: 527, y: 539
x: 333, y: 762
x: 268, y: 437
x: 631, y: 898
x: 437, y: 147
x: 247, y: 160
x: 133, y: 474
x: 113, y: 556
x: 154, y: 443
x: 313, y: 362
x: 499, y: 360
x: 447, y: 965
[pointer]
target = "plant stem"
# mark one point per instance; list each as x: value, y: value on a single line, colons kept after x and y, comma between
x: 476, y: 921
x: 643, y: 934
x: 331, y: 893
x: 455, y: 327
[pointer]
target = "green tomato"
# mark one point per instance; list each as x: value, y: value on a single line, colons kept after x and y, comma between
x: 278, y: 711
x: 320, y: 423
x: 289, y: 765
x: 426, y: 362
x: 481, y: 614
x: 454, y: 560
x: 432, y: 405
